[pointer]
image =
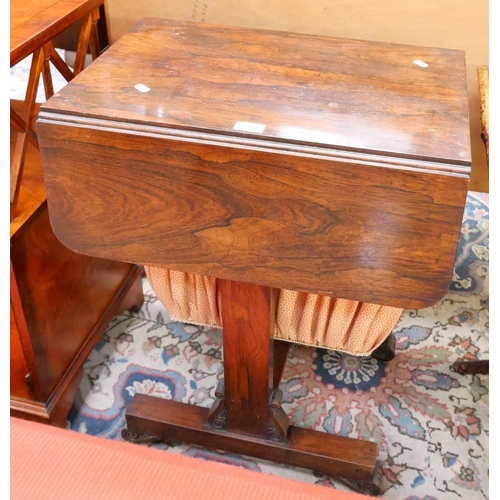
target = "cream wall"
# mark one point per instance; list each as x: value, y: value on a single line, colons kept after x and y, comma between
x: 455, y: 24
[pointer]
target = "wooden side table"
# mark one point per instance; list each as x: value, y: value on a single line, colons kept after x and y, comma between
x: 60, y: 301
x: 32, y: 27
x: 268, y: 160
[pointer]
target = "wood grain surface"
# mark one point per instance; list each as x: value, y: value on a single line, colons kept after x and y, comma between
x: 331, y: 454
x: 63, y: 295
x: 247, y: 342
x: 22, y: 359
x: 32, y: 188
x: 365, y: 203
x: 61, y: 302
x: 346, y: 94
x: 351, y: 230
x: 33, y: 23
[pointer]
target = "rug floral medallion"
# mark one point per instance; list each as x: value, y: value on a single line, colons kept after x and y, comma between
x: 430, y: 423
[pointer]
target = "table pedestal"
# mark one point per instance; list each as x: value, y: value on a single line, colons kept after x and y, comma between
x: 247, y: 417
x: 275, y: 163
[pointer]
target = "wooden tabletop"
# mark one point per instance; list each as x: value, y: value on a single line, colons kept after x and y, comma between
x: 33, y: 23
x: 310, y: 163
x: 403, y: 101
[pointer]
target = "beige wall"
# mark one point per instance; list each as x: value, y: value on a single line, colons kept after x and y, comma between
x: 455, y: 24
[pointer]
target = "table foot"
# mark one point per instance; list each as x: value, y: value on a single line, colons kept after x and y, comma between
x: 481, y: 367
x: 365, y: 487
x: 134, y: 437
x: 387, y: 350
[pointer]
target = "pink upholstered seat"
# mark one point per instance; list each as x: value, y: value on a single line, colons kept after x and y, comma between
x: 51, y: 463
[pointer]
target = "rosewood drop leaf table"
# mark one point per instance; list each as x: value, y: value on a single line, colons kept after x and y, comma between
x: 268, y: 160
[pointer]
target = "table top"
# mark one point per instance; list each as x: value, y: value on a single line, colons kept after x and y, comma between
x: 33, y: 23
x: 317, y: 164
x: 348, y: 95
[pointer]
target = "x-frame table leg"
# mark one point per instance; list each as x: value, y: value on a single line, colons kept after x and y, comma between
x: 22, y: 140
x: 40, y: 65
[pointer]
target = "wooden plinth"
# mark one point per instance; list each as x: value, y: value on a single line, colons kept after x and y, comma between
x: 327, y: 453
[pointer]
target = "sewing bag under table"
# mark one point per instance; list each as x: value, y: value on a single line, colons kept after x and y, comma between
x: 268, y: 160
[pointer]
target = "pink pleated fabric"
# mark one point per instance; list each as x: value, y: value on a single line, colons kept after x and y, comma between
x: 357, y: 328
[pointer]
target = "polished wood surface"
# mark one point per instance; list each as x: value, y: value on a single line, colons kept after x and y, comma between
x: 304, y: 89
x: 22, y: 360
x: 249, y: 325
x: 348, y: 177
x: 57, y: 281
x: 280, y: 351
x: 342, y: 228
x: 18, y: 158
x: 327, y: 453
x: 33, y: 26
x: 61, y: 302
x: 32, y: 189
x: 351, y: 206
x: 247, y: 416
x: 33, y: 23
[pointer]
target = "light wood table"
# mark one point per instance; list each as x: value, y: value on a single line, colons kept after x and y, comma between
x: 33, y: 24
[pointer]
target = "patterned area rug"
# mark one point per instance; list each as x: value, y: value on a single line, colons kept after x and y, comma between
x: 431, y: 423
